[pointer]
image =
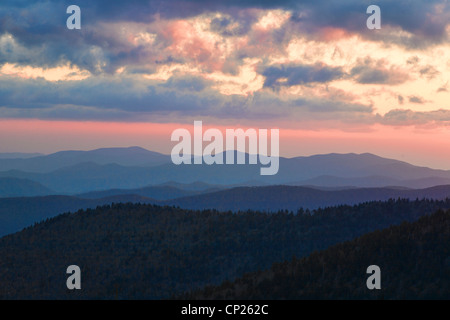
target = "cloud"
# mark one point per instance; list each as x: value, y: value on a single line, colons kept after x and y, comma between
x: 63, y: 73
x: 132, y: 98
x: 326, y: 105
x: 409, y: 117
x: 127, y: 94
x: 229, y: 26
x: 412, y: 25
x: 429, y: 72
x: 42, y: 39
x: 413, y: 60
x: 444, y: 88
x: 141, y: 58
x: 182, y: 97
x: 291, y: 75
x: 187, y: 83
x: 370, y: 71
x: 416, y: 99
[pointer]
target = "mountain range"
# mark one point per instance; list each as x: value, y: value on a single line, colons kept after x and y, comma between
x: 75, y: 172
x: 33, y: 188
x: 132, y: 156
x: 151, y: 229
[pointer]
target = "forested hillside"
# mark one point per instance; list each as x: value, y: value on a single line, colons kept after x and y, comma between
x: 414, y: 259
x: 18, y: 213
x: 147, y: 251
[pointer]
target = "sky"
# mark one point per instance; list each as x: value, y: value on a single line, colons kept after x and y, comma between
x: 137, y: 70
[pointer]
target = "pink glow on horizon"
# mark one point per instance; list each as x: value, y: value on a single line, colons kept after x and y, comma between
x: 420, y: 147
x: 417, y: 146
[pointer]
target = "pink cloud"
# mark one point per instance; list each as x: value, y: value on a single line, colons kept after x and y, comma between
x: 333, y: 34
x: 188, y: 44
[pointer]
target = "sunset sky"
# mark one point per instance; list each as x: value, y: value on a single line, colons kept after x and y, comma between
x: 137, y: 70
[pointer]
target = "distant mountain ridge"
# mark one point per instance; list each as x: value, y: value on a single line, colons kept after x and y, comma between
x: 131, y: 156
x: 74, y: 172
x: 160, y: 192
x: 273, y: 198
x: 17, y: 213
x: 372, y: 181
x: 19, y: 155
x: 14, y: 187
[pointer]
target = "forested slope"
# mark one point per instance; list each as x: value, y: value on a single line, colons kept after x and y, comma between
x: 148, y: 251
x: 414, y: 259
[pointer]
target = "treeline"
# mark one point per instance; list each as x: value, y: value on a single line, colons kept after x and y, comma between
x: 414, y: 261
x: 152, y: 252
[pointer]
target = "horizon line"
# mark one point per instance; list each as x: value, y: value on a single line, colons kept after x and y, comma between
x: 40, y: 154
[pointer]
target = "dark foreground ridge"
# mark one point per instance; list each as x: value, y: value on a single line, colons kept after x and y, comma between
x: 146, y: 251
x: 414, y: 259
